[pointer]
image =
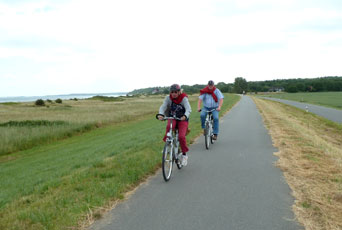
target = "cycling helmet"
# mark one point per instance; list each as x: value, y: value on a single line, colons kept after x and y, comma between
x: 175, y: 87
x: 211, y: 82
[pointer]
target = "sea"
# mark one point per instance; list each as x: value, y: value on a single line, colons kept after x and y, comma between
x: 62, y: 96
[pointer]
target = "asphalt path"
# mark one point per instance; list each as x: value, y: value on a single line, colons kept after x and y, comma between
x: 234, y: 185
x: 329, y: 113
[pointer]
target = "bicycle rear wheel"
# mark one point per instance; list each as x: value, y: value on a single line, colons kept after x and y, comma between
x: 207, y: 135
x: 167, y: 161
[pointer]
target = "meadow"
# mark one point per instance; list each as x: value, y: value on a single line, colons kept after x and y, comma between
x: 68, y: 183
x: 24, y: 125
x: 328, y: 99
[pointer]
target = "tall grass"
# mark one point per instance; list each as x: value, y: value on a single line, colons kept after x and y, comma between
x: 66, y: 184
x: 329, y: 99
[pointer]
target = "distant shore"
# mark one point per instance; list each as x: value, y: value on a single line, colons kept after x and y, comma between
x: 62, y: 96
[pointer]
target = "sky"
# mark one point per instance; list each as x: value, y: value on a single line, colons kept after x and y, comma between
x: 85, y: 46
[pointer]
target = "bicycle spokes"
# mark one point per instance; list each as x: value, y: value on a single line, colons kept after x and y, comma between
x: 167, y: 161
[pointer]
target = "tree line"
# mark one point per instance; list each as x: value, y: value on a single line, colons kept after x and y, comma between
x: 241, y: 85
x: 323, y: 84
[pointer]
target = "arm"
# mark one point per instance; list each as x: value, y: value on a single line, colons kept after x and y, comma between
x: 163, y: 108
x: 199, y: 104
x: 220, y: 105
x: 187, y: 107
x: 220, y: 98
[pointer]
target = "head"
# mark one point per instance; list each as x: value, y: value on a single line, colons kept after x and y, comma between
x: 175, y: 90
x: 211, y: 84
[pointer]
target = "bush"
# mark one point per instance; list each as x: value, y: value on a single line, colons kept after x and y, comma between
x: 58, y: 100
x: 40, y: 102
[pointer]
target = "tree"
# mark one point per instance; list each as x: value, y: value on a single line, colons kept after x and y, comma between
x: 240, y: 85
x: 39, y: 102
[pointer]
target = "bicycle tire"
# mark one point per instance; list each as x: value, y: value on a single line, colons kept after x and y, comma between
x: 207, y: 136
x: 211, y: 134
x: 167, y: 161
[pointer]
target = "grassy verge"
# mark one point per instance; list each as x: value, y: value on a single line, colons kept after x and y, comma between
x: 328, y: 99
x: 310, y: 154
x: 66, y: 184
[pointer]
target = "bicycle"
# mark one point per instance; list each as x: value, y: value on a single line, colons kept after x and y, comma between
x: 208, y: 130
x: 171, y: 152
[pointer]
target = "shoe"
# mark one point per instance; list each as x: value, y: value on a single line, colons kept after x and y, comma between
x: 215, y: 137
x: 184, y: 160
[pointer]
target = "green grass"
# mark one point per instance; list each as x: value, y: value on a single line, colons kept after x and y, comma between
x: 328, y: 99
x: 55, y: 186
x: 33, y: 123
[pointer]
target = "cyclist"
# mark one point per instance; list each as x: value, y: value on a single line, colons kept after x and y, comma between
x: 212, y: 99
x: 177, y: 103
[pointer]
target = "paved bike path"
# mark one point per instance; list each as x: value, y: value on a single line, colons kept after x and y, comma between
x: 329, y: 113
x: 234, y: 185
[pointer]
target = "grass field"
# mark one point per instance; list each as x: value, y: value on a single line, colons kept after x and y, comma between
x: 310, y: 155
x: 329, y: 99
x: 68, y: 183
x: 24, y: 125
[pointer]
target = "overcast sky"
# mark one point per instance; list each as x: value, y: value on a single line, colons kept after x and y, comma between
x: 86, y: 46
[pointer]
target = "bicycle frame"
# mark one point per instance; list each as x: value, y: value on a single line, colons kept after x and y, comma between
x: 209, y: 123
x: 172, y: 136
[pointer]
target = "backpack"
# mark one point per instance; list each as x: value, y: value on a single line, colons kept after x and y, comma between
x: 177, y: 109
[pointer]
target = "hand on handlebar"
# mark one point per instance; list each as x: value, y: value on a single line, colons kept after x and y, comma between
x: 160, y: 117
x: 199, y: 110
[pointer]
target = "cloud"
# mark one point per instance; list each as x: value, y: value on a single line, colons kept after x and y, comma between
x: 108, y: 46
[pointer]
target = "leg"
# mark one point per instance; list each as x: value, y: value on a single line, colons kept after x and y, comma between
x: 182, y: 127
x: 203, y: 115
x: 216, y: 122
x: 168, y: 127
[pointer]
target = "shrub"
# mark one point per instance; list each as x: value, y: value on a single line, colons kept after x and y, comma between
x: 48, y: 100
x: 40, y: 102
x: 58, y: 100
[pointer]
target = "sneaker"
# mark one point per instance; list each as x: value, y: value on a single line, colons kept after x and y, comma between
x: 184, y: 160
x: 215, y: 137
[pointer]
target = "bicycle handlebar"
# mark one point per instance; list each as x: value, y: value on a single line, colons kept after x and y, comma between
x: 210, y: 111
x: 172, y: 118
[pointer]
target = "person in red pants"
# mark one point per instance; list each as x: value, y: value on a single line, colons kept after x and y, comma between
x: 177, y: 103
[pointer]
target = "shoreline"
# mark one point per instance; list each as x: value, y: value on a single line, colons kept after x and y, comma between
x: 62, y: 96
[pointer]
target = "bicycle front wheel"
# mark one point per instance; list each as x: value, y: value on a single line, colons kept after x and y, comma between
x: 211, y: 134
x: 167, y: 161
x: 207, y: 135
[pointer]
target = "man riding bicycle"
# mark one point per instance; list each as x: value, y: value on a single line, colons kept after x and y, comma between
x: 212, y: 99
x: 177, y: 103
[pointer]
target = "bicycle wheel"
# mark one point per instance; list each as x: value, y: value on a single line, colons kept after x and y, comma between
x: 179, y: 155
x: 167, y: 161
x: 211, y: 133
x: 207, y: 135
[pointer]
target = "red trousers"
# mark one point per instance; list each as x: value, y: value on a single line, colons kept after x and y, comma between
x: 182, y: 128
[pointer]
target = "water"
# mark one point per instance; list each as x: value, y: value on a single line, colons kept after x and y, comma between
x: 63, y: 97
